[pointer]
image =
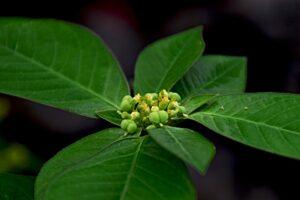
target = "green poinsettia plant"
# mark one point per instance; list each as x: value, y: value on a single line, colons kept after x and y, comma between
x: 68, y: 67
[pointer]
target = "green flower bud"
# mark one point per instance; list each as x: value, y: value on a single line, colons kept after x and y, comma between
x: 182, y: 109
x: 154, y: 108
x: 173, y: 105
x: 173, y: 113
x: 135, y: 115
x: 163, y: 104
x: 174, y: 96
x: 163, y: 116
x: 151, y: 110
x: 125, y: 123
x: 145, y: 120
x: 143, y: 108
x: 149, y: 102
x: 125, y: 105
x: 127, y: 98
x: 151, y: 96
x: 155, y: 103
x: 132, y: 127
x: 159, y: 117
x: 154, y: 117
x: 154, y: 96
x: 163, y: 93
x: 125, y: 115
x: 137, y: 98
x: 129, y: 126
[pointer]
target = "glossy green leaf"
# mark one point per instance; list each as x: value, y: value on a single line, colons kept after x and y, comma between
x: 59, y: 64
x: 16, y: 187
x: 111, y: 116
x: 267, y: 121
x: 197, y: 101
x: 214, y: 75
x: 164, y: 62
x: 186, y: 144
x: 108, y: 166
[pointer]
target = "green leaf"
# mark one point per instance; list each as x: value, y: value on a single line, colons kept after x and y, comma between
x: 59, y: 64
x: 14, y: 187
x: 267, y: 121
x: 186, y: 144
x: 108, y: 166
x: 197, y: 101
x: 111, y: 116
x: 164, y: 62
x: 213, y: 75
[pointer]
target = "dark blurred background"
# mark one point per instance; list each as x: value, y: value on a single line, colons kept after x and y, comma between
x: 266, y: 31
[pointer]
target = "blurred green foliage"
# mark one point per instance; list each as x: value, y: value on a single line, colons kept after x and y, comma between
x: 14, y: 157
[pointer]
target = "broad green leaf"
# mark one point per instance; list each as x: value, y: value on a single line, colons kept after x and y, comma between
x: 59, y: 64
x: 267, y: 121
x: 186, y: 144
x: 16, y: 187
x: 197, y: 101
x: 213, y: 75
x: 111, y: 116
x: 164, y: 62
x: 108, y: 166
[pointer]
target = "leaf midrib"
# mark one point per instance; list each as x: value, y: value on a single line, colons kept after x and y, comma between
x: 246, y: 120
x: 179, y: 144
x: 171, y: 66
x: 68, y: 168
x: 62, y: 76
x: 198, y: 91
x: 131, y: 170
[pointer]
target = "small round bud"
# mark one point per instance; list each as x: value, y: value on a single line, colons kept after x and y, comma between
x: 154, y: 117
x: 154, y: 96
x: 132, y: 127
x: 143, y: 108
x: 163, y: 104
x: 149, y: 102
x: 125, y: 115
x: 173, y: 113
x: 127, y: 98
x: 145, y: 120
x: 163, y: 116
x: 150, y: 98
x: 135, y: 115
x: 172, y: 105
x: 182, y: 109
x: 163, y: 93
x: 125, y: 123
x: 155, y: 103
x: 174, y: 96
x: 137, y: 98
x: 125, y: 106
x: 154, y: 108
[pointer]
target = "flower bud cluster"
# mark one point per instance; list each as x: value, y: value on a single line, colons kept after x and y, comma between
x: 150, y: 111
